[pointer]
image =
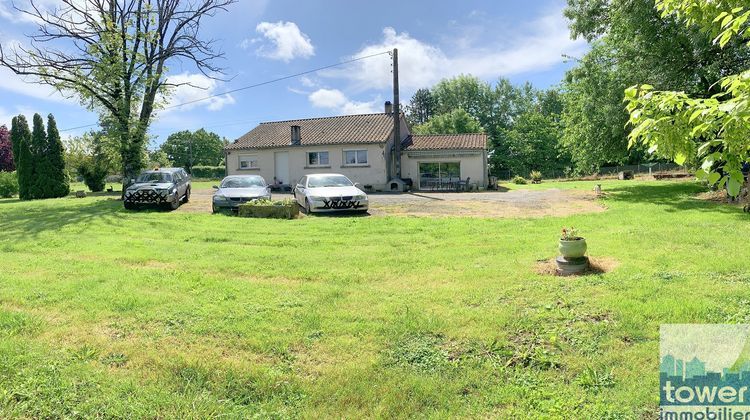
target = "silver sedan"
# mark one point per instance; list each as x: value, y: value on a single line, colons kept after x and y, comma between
x: 238, y: 189
x: 329, y: 192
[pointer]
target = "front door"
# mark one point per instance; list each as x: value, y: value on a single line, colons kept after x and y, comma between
x: 281, y: 168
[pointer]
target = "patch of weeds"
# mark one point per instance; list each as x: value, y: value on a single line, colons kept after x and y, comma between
x: 594, y: 380
x: 85, y: 353
x: 734, y: 314
x: 422, y: 352
x: 291, y: 303
x: 529, y: 350
x: 669, y: 275
x: 215, y: 239
x: 730, y: 277
x: 126, y: 304
x: 178, y: 322
x: 114, y: 359
x: 17, y: 323
x: 314, y: 335
x: 191, y: 377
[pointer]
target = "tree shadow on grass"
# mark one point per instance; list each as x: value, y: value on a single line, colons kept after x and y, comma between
x: 673, y: 197
x: 34, y: 217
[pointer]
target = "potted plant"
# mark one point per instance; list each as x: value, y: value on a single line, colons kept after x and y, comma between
x: 571, y: 244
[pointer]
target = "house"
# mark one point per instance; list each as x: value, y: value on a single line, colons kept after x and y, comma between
x: 362, y: 148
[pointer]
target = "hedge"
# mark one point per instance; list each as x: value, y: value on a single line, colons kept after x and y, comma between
x: 211, y: 172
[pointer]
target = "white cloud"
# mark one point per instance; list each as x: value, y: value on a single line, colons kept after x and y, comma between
x: 195, y: 87
x: 288, y: 42
x: 26, y: 86
x: 538, y: 46
x: 336, y: 100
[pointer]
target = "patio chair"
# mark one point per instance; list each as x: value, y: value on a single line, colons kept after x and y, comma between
x: 463, y: 185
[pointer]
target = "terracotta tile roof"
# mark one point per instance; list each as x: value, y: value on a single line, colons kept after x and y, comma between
x: 346, y: 129
x: 445, y: 141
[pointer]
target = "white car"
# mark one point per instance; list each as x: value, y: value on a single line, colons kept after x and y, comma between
x: 329, y: 192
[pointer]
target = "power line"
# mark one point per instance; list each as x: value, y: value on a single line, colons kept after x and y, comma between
x: 291, y: 76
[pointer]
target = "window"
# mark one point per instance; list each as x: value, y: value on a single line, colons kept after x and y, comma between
x: 317, y: 159
x: 249, y: 162
x: 355, y: 157
x: 154, y: 177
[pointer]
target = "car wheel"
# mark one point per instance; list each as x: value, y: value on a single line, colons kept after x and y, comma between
x: 187, y: 195
x: 214, y: 210
x: 129, y: 205
x: 307, y: 207
x: 175, y: 204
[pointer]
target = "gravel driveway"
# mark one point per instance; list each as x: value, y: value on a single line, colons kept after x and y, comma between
x: 515, y: 203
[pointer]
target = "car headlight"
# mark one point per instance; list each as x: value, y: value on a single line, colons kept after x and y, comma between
x: 360, y: 197
x: 219, y: 198
x: 314, y: 198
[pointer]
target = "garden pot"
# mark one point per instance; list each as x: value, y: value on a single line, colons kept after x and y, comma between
x: 573, y: 249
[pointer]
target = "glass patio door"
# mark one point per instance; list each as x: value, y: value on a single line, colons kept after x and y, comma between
x: 439, y: 175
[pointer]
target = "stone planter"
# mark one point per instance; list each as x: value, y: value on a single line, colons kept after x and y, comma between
x: 281, y: 211
x: 573, y: 249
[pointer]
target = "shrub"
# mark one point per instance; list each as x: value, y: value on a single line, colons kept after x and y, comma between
x: 8, y: 184
x: 94, y: 175
x: 536, y: 177
x: 519, y: 180
x: 279, y: 209
x: 212, y: 172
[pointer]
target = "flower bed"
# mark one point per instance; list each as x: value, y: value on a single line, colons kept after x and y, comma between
x: 267, y: 209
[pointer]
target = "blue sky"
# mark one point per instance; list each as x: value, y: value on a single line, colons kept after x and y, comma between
x: 263, y: 40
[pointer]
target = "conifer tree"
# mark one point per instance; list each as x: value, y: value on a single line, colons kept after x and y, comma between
x: 57, y: 183
x: 39, y: 166
x: 21, y: 139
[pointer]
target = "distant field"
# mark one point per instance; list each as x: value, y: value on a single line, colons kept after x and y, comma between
x: 109, y: 313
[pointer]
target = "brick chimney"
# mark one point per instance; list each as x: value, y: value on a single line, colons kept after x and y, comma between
x: 296, y: 135
x: 388, y: 107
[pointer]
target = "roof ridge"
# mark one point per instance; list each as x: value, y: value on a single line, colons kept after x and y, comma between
x: 444, y: 135
x: 322, y: 118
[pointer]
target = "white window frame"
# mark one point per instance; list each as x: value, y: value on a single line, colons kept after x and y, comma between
x: 249, y: 159
x: 318, y: 165
x: 356, y: 157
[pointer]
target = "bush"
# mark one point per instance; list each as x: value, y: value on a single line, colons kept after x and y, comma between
x: 94, y: 175
x: 212, y: 172
x: 8, y: 184
x: 267, y: 209
x: 536, y: 177
x: 519, y: 180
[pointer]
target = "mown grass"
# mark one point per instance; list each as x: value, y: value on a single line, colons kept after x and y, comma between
x: 108, y: 313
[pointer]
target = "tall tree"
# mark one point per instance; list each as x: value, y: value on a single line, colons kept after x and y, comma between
x: 715, y: 128
x: 457, y: 121
x: 117, y: 60
x: 57, y: 184
x: 7, y: 158
x: 38, y: 177
x: 188, y: 149
x: 421, y: 107
x: 21, y: 138
x: 632, y: 42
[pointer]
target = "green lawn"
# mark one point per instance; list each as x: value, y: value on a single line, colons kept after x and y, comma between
x: 105, y: 312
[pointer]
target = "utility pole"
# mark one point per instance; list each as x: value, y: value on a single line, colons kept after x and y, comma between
x: 396, y: 116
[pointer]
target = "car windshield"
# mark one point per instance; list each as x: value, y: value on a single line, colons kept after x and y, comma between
x: 243, y: 182
x: 154, y: 177
x: 329, y: 181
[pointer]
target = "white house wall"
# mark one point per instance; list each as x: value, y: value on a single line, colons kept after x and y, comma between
x: 374, y: 173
